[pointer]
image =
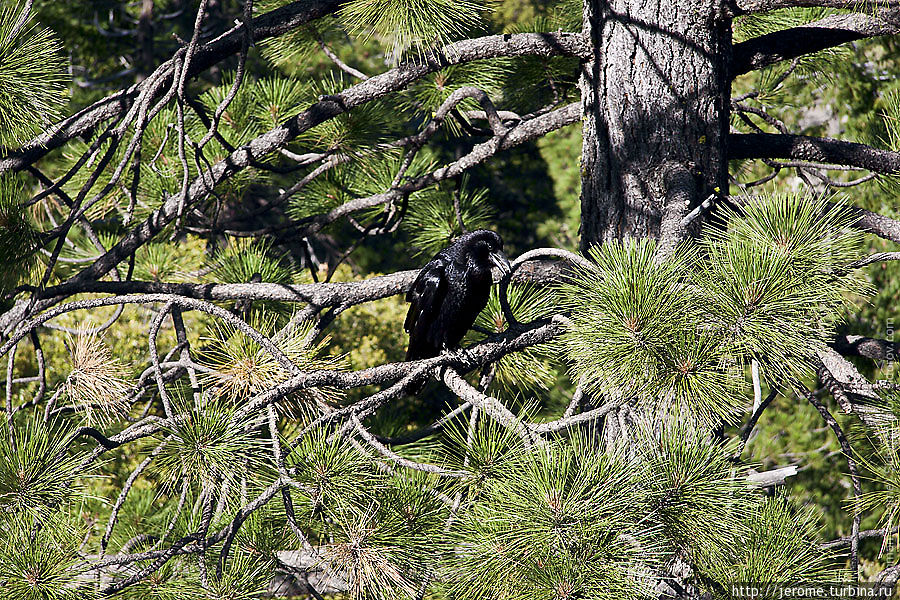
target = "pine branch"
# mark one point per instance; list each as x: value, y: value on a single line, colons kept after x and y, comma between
x: 744, y: 7
x: 321, y: 295
x: 115, y: 105
x: 242, y: 157
x: 880, y: 225
x: 819, y: 35
x: 814, y: 149
x: 858, y: 345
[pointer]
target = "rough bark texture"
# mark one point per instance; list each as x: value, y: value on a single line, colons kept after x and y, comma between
x: 654, y: 98
x: 804, y: 147
x: 831, y: 31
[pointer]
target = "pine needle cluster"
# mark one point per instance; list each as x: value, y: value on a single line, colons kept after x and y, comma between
x: 674, y: 334
x: 37, y: 471
x: 432, y: 220
x: 406, y: 24
x: 571, y: 519
x: 97, y: 386
x: 18, y: 234
x: 32, y: 77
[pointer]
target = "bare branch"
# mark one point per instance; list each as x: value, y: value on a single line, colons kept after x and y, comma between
x: 271, y: 24
x: 334, y: 57
x: 874, y: 258
x: 241, y: 158
x: 756, y: 6
x: 880, y: 225
x: 819, y: 35
x: 807, y: 148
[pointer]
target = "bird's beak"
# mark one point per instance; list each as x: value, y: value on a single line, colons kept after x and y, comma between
x: 499, y: 260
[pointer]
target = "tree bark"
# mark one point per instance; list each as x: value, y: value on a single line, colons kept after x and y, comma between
x: 144, y: 58
x: 655, y: 99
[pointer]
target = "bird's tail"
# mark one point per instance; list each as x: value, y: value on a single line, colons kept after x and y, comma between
x: 417, y: 351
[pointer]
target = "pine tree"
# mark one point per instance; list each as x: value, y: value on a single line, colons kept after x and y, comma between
x: 205, y: 242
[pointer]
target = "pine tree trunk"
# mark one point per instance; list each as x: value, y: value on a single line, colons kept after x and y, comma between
x: 655, y: 100
x: 144, y: 59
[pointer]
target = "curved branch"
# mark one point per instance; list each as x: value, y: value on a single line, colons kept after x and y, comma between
x: 831, y: 31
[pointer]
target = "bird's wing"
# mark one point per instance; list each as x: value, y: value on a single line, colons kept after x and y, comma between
x: 425, y: 299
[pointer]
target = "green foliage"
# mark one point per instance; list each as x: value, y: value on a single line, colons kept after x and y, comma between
x: 816, y: 235
x: 322, y: 194
x: 286, y: 51
x: 534, y: 522
x: 245, y: 259
x: 18, y: 235
x: 276, y: 99
x: 632, y: 303
x: 486, y: 455
x: 571, y: 519
x: 208, y: 446
x: 331, y: 470
x: 432, y: 221
x: 890, y: 116
x: 39, y: 559
x: 237, y: 123
x: 172, y: 581
x: 693, y: 490
x: 772, y: 83
x: 403, y: 24
x: 36, y: 470
x: 161, y: 262
x: 533, y: 82
x: 245, y: 577
x: 636, y: 333
x: 777, y: 280
x: 32, y: 77
x: 780, y: 545
x: 531, y: 369
x: 674, y: 332
x: 382, y: 551
x: 264, y: 533
x: 560, y: 520
x: 353, y: 131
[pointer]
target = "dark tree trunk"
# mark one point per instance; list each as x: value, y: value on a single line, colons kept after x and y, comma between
x: 145, y: 62
x: 655, y: 101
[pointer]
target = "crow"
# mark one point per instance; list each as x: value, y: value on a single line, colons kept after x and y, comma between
x: 450, y: 291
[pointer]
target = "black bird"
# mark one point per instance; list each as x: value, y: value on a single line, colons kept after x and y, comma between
x: 450, y: 291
